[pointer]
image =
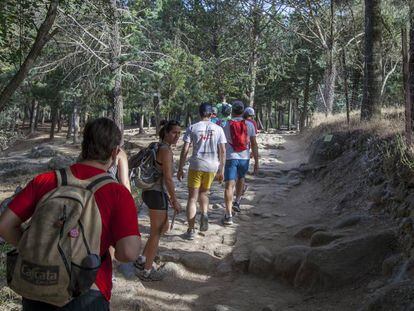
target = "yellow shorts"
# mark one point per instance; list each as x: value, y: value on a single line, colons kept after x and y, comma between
x: 198, y: 179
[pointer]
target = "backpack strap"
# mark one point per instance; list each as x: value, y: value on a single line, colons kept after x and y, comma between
x: 100, y: 181
x: 65, y: 178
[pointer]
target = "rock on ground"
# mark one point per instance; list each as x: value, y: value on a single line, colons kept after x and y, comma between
x: 288, y: 260
x: 395, y: 297
x: 344, y: 262
x: 260, y: 261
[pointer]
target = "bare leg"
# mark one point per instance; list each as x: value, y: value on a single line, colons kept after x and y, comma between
x: 239, y: 189
x: 192, y: 206
x: 159, y: 225
x: 203, y: 200
x: 228, y: 195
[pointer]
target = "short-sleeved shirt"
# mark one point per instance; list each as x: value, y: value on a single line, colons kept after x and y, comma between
x: 115, y: 203
x: 245, y: 154
x: 205, y: 137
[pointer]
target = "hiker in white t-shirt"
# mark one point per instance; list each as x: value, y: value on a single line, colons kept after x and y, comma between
x: 241, y: 136
x: 206, y: 162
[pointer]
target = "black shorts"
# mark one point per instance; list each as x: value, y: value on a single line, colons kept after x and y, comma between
x: 155, y: 200
x: 92, y: 300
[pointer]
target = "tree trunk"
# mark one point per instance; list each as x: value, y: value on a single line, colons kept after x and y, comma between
x: 371, y: 102
x: 356, y: 78
x: 157, y: 103
x: 289, y: 114
x: 76, y: 123
x: 116, y: 67
x: 141, y: 123
x: 254, y: 55
x: 345, y: 77
x: 70, y: 126
x: 42, y: 37
x: 304, y: 113
x: 33, y: 116
x: 59, y: 121
x: 54, y: 116
x: 406, y: 78
x: 411, y: 62
x: 329, y: 81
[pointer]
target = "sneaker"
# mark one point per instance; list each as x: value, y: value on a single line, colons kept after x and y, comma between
x: 227, y: 220
x: 139, y: 263
x: 153, y: 275
x: 190, y: 234
x: 204, y: 222
x: 236, y: 207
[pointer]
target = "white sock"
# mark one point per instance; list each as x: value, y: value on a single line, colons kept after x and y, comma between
x: 147, y: 271
x: 141, y: 259
x: 238, y: 199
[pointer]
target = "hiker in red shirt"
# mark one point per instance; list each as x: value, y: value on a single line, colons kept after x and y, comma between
x: 248, y: 115
x: 241, y: 137
x: 118, y: 218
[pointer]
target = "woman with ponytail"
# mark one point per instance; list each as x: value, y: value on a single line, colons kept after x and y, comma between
x: 157, y: 199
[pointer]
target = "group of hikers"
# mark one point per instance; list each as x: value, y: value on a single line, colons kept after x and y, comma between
x: 68, y: 225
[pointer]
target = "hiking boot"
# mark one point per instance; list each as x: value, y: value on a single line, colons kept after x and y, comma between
x: 151, y: 276
x: 190, y: 234
x: 236, y: 207
x: 204, y: 222
x: 227, y: 220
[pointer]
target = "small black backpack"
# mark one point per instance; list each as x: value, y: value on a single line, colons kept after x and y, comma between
x: 143, y: 170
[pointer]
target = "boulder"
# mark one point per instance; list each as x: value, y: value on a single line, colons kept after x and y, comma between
x: 345, y: 261
x: 199, y: 261
x: 396, y: 297
x: 307, y: 231
x: 328, y: 147
x: 42, y: 151
x: 288, y: 260
x: 320, y: 238
x: 60, y: 161
x: 260, y: 261
x: 241, y: 257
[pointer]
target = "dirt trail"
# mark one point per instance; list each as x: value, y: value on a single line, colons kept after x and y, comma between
x: 207, y: 273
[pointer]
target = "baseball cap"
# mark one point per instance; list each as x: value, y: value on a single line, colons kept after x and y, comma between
x: 238, y: 107
x: 249, y: 111
x: 205, y: 108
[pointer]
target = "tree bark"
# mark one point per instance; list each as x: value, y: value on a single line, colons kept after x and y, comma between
x: 157, y: 103
x: 411, y: 63
x: 116, y: 67
x: 356, y: 78
x: 371, y: 102
x: 54, y: 116
x: 345, y: 77
x: 304, y: 113
x: 406, y: 78
x: 42, y: 37
x: 76, y: 123
x: 33, y: 116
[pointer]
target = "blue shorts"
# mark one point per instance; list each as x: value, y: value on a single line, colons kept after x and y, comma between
x: 235, y: 169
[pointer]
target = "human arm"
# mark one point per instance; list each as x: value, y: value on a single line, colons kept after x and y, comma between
x: 165, y: 157
x: 183, y: 157
x: 123, y: 172
x: 125, y: 235
x: 255, y: 150
x: 10, y: 229
x: 222, y: 159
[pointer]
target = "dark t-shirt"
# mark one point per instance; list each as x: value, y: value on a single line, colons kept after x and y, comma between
x: 115, y: 203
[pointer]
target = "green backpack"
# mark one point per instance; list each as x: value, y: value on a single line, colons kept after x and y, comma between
x: 57, y: 257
